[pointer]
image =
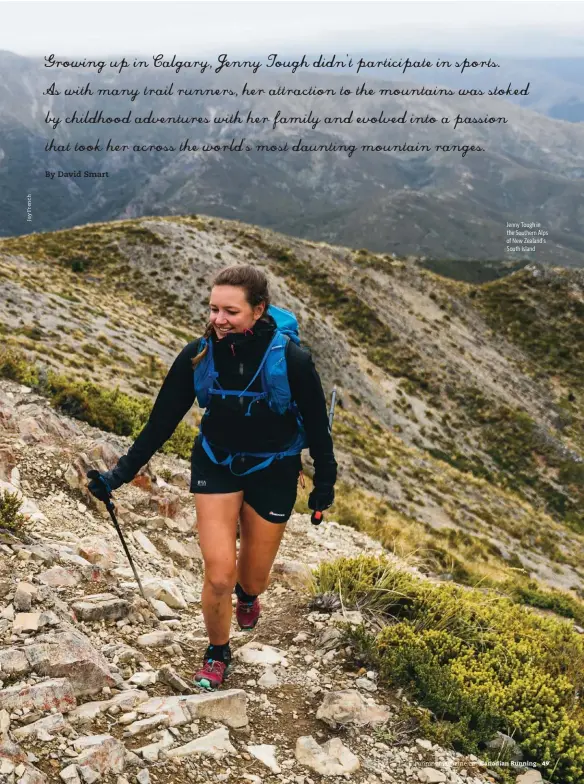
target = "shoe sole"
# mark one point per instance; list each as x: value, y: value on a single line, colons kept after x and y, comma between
x: 248, y: 628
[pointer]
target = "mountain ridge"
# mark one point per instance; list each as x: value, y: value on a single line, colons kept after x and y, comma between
x: 444, y: 381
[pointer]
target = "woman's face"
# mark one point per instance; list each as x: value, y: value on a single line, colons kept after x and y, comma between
x: 230, y: 311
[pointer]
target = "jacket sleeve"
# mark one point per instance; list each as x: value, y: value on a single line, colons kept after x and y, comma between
x: 175, y: 398
x: 307, y: 391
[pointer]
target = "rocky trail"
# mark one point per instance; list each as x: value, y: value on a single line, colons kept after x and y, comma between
x: 96, y: 682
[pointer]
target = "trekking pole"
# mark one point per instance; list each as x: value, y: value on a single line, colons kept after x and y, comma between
x: 111, y: 509
x: 316, y: 518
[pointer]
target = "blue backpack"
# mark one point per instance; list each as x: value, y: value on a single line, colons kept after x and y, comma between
x: 275, y: 389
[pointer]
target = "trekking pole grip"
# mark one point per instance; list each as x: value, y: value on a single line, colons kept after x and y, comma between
x: 93, y: 474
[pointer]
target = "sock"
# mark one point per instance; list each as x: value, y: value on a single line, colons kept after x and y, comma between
x: 220, y: 653
x: 242, y: 595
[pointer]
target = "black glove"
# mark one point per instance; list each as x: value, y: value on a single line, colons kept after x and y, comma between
x: 321, y: 498
x: 103, y: 487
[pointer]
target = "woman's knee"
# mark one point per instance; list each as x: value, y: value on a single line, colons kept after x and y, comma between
x: 254, y: 585
x: 221, y: 581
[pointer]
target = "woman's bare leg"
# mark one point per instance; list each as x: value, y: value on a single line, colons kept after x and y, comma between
x: 258, y: 546
x: 217, y: 524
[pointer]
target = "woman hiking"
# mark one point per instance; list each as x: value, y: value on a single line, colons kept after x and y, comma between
x: 264, y: 402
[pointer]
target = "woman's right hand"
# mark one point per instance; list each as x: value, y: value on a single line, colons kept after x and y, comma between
x: 321, y: 497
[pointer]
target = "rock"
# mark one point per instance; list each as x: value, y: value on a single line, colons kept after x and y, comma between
x: 120, y: 651
x: 529, y: 777
x: 163, y: 611
x: 4, y: 722
x: 349, y: 707
x: 352, y: 617
x: 128, y: 700
x: 182, y: 525
x: 143, y: 679
x: 57, y: 693
x: 329, y: 638
x: 268, y: 680
x: 31, y: 775
x: 331, y: 759
x: 266, y: 754
x: 143, y: 777
x: 258, y: 653
x: 71, y: 655
x: 229, y: 707
x: 294, y: 573
x: 13, y: 661
x: 101, y: 607
x: 12, y: 753
x: 26, y: 622
x: 59, y: 577
x: 102, y: 753
x: 166, y: 591
x: 69, y: 775
x: 52, y: 723
x: 216, y: 744
x: 167, y: 675
x: 145, y: 725
x: 133, y: 760
x: 6, y: 767
x: 431, y: 776
x: 189, y: 550
x: 143, y: 481
x: 142, y: 540
x: 502, y: 741
x: 366, y: 684
x: 165, y: 505
x: 151, y: 752
x: 424, y: 744
x: 86, y: 712
x: 171, y: 706
x: 97, y: 552
x: 155, y: 639
x: 88, y: 774
x: 23, y: 596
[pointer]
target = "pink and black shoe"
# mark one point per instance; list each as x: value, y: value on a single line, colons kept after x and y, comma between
x: 247, y: 613
x: 213, y: 672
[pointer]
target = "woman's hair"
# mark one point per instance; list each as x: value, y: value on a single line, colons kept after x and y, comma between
x: 255, y: 285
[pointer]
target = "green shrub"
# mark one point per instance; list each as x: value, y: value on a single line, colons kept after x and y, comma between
x: 532, y: 594
x: 14, y: 367
x: 478, y: 662
x: 10, y: 516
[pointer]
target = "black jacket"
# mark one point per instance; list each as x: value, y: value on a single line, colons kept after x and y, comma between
x: 237, y: 357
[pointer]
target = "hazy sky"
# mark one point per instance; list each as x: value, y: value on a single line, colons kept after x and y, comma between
x: 91, y: 28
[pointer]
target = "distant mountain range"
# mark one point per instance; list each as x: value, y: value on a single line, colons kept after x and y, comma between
x: 432, y: 204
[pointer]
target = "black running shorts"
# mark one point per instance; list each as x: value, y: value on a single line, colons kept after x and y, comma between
x: 271, y: 491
